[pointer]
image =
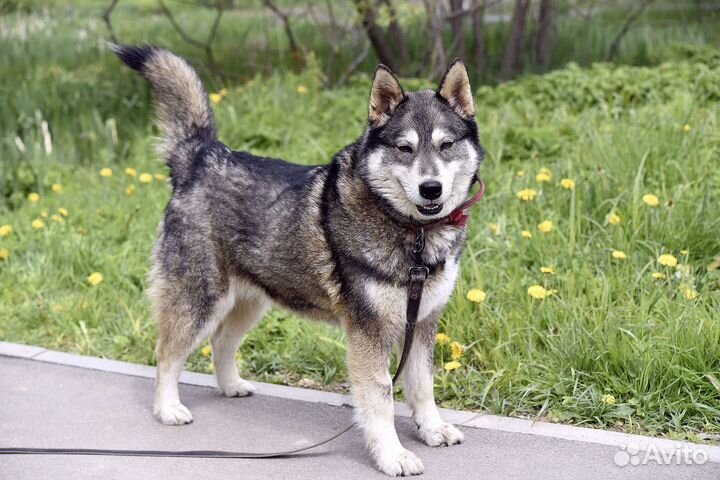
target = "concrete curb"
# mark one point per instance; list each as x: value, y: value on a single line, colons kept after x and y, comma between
x: 464, y: 418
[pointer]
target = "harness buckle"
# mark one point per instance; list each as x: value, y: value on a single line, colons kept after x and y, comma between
x: 419, y: 273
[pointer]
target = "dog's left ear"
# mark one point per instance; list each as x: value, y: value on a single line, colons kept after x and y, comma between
x: 455, y: 89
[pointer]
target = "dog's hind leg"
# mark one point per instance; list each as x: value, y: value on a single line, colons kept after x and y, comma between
x: 226, y: 340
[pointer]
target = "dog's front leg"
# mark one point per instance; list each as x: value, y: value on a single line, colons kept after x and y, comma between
x: 368, y: 361
x: 418, y: 377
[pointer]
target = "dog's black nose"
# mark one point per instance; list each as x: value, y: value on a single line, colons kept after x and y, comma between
x: 431, y: 190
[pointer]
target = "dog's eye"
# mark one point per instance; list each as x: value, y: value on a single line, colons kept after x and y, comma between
x: 446, y: 145
x: 404, y: 148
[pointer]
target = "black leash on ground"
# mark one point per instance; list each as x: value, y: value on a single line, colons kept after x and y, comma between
x: 418, y: 273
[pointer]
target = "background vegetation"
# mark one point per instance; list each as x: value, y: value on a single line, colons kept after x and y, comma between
x: 624, y: 342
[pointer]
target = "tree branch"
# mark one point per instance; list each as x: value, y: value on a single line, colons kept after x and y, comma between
x: 105, y: 16
x: 207, y: 45
x: 615, y: 45
x: 295, y: 49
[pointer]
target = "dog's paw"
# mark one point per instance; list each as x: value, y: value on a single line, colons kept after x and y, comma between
x: 177, y: 414
x: 440, y: 434
x: 403, y: 462
x: 238, y: 388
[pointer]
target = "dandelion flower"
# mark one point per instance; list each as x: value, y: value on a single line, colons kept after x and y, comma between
x: 526, y: 234
x: 33, y: 197
x: 494, y: 228
x: 527, y: 194
x: 302, y: 89
x: 450, y: 366
x: 545, y: 227
x: 667, y: 260
x: 442, y: 339
x: 160, y: 177
x: 5, y: 230
x: 614, y: 219
x: 651, y: 199
x: 456, y: 350
x: 215, y: 98
x: 94, y: 279
x: 106, y: 172
x: 206, y: 351
x: 539, y: 292
x: 44, y: 213
x: 619, y: 255
x: 658, y: 276
x: 63, y: 211
x: 520, y: 173
x: 476, y: 295
x: 548, y: 270
x: 145, y: 178
x: 689, y: 292
x: 686, y: 127
x: 57, y: 218
x: 684, y: 252
x: 57, y: 188
x: 544, y: 176
x: 210, y: 367
x: 130, y: 190
x: 130, y: 172
x: 4, y: 253
x: 567, y: 183
x: 608, y: 399
x: 37, y: 224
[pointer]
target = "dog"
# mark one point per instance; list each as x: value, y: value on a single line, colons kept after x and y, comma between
x: 331, y: 242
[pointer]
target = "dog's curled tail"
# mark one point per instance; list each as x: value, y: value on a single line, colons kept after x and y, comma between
x: 183, y: 109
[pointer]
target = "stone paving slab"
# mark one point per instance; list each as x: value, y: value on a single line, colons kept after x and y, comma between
x: 52, y: 405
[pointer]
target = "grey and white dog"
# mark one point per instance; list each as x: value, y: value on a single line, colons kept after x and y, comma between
x: 331, y: 242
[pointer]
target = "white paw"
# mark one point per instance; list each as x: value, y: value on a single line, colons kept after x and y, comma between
x: 238, y: 388
x: 177, y: 414
x: 403, y: 462
x: 440, y: 434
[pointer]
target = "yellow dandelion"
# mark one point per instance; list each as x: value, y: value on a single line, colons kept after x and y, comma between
x: 44, y: 213
x: 651, y: 199
x: 545, y: 227
x: 106, y: 172
x: 527, y: 194
x: 37, y: 224
x: 302, y: 89
x: 543, y: 177
x: 614, y: 219
x: 689, y: 292
x: 94, y: 279
x: 160, y: 177
x: 4, y: 253
x: 548, y: 270
x: 667, y: 260
x: 539, y: 292
x: 684, y: 252
x: 57, y: 188
x: 210, y: 367
x: 686, y: 127
x: 442, y: 339
x: 526, y: 234
x: 608, y: 399
x: 456, y: 350
x: 57, y: 218
x: 130, y: 172
x: 145, y: 178
x: 206, y: 351
x: 5, y: 230
x: 450, y: 366
x: 215, y: 98
x: 567, y: 183
x: 619, y: 255
x: 494, y: 228
x: 130, y: 190
x: 520, y: 173
x: 476, y: 295
x: 63, y: 211
x: 33, y: 197
x: 659, y: 276
x: 223, y: 92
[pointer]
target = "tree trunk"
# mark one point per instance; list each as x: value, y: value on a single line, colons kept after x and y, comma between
x: 512, y: 59
x: 457, y: 25
x: 396, y: 34
x: 543, y: 35
x: 368, y: 16
x: 479, y: 36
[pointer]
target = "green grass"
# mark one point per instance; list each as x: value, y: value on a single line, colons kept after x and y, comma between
x: 611, y: 328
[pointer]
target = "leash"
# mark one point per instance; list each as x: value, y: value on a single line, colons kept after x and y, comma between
x: 417, y: 275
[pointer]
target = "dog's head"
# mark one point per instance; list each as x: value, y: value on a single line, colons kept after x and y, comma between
x: 421, y: 150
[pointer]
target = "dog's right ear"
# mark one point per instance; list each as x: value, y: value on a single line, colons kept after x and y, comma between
x: 385, y: 96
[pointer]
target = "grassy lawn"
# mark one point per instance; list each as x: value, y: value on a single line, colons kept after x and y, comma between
x: 623, y: 338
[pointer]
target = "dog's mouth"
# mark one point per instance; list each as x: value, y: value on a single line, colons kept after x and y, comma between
x: 430, y: 208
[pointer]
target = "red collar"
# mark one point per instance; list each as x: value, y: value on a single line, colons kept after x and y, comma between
x: 459, y: 216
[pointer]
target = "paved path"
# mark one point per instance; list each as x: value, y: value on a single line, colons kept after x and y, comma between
x: 52, y: 405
